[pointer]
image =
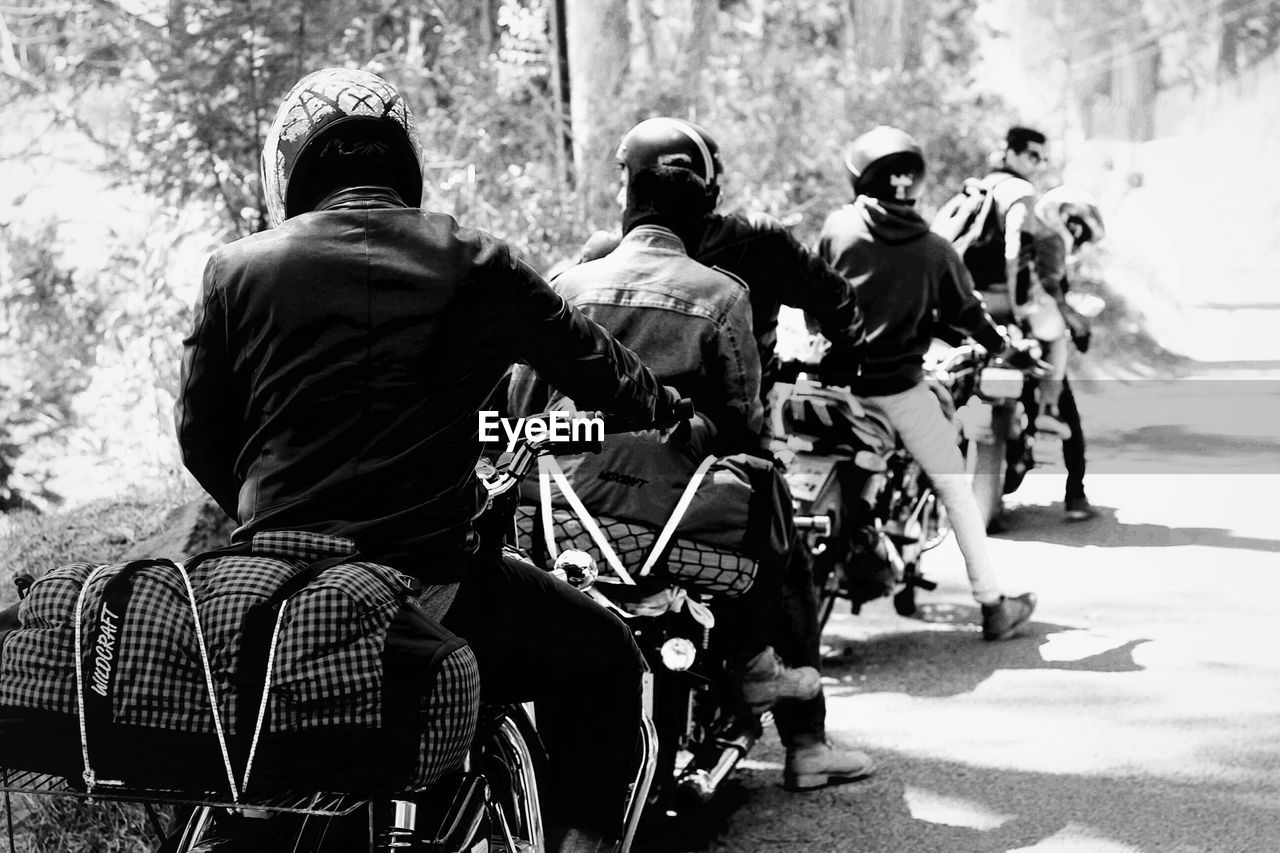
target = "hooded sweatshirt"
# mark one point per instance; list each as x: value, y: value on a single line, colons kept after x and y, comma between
x: 910, y: 285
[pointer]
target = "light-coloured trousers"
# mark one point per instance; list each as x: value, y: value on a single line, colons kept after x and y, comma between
x: 930, y: 437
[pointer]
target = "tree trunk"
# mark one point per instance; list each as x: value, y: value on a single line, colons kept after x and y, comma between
x: 697, y: 50
x: 599, y: 43
x: 879, y: 24
x: 643, y: 49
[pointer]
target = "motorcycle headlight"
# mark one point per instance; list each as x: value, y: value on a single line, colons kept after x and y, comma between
x: 678, y: 654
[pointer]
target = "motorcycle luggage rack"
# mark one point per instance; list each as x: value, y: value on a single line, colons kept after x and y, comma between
x: 294, y: 802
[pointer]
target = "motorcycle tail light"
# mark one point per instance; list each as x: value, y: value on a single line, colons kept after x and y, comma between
x: 998, y: 383
x: 868, y: 461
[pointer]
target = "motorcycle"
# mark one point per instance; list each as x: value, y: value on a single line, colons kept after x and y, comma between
x: 1002, y: 421
x: 988, y: 396
x: 491, y: 804
x: 864, y: 507
x: 665, y: 590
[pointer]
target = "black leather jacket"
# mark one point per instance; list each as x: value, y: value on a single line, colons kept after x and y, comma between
x: 337, y: 364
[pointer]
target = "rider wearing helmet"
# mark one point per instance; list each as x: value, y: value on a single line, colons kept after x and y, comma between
x: 331, y: 384
x: 1067, y: 218
x: 692, y: 324
x: 910, y: 284
x: 778, y: 270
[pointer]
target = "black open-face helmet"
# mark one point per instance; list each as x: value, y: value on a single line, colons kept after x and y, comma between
x: 886, y: 163
x: 322, y: 104
x: 674, y: 143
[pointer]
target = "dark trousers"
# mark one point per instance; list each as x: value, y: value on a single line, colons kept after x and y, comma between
x: 745, y: 625
x: 536, y: 638
x: 1073, y: 448
x: 798, y: 641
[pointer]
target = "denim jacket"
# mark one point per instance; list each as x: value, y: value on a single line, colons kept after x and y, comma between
x: 690, y: 324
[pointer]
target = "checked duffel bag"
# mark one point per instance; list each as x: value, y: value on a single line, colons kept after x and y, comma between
x: 284, y: 663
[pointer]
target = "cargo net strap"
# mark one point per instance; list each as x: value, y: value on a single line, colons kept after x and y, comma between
x: 549, y: 468
x: 696, y: 566
x: 91, y: 779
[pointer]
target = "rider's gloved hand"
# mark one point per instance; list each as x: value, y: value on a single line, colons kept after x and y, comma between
x: 671, y: 411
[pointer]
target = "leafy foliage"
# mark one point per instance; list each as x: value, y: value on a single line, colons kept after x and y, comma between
x: 179, y: 99
x: 47, y: 332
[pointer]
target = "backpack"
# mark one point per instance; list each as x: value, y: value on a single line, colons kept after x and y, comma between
x: 306, y: 667
x: 970, y: 220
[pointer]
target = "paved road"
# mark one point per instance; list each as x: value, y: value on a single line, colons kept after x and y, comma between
x: 1141, y: 712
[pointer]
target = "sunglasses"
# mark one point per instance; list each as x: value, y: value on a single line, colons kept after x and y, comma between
x: 1036, y: 157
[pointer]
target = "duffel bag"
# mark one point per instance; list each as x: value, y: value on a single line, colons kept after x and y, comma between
x: 287, y: 662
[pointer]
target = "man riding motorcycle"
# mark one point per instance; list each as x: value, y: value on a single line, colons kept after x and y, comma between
x: 910, y: 281
x: 692, y: 325
x: 778, y: 270
x: 331, y: 384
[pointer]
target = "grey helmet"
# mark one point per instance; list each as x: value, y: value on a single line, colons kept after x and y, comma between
x: 319, y: 103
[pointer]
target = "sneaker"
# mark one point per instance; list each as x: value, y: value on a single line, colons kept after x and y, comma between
x: 820, y: 764
x: 1000, y: 621
x: 1079, y: 509
x: 768, y: 681
x: 1048, y: 423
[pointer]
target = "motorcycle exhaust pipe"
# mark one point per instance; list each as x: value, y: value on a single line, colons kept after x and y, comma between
x: 701, y: 783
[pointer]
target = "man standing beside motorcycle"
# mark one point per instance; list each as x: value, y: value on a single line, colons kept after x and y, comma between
x: 777, y: 270
x: 1066, y: 218
x: 910, y: 281
x: 332, y: 383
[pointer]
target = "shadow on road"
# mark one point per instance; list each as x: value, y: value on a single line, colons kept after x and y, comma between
x: 1029, y: 523
x: 949, y: 663
x: 921, y: 804
x: 1176, y: 449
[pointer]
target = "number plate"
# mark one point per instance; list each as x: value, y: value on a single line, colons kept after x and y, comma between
x: 806, y: 475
